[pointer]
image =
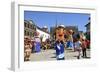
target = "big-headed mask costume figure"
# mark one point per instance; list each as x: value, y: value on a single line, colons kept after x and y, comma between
x: 59, y: 45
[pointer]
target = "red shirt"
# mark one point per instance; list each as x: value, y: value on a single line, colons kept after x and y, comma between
x: 84, y: 44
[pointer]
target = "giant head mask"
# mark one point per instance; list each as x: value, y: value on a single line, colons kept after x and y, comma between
x: 60, y: 33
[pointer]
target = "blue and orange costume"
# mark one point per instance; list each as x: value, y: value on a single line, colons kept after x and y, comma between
x: 59, y: 47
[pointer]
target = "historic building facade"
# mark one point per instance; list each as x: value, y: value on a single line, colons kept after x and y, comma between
x: 29, y: 28
x: 88, y: 29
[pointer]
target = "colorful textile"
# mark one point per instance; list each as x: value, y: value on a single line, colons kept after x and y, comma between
x: 59, y: 51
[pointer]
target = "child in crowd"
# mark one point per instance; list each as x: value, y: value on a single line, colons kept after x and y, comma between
x: 78, y: 45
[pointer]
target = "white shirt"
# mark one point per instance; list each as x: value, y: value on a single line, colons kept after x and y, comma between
x: 78, y: 45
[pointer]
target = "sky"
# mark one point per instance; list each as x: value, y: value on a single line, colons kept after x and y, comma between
x: 50, y: 19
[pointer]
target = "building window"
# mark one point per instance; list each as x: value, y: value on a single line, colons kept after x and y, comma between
x: 28, y: 33
x: 25, y: 33
x: 33, y: 27
x: 24, y: 24
x: 28, y: 25
x: 33, y: 34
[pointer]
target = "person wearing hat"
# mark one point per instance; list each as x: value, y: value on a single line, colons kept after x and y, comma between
x: 59, y: 45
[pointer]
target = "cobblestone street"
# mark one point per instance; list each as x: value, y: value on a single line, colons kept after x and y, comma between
x: 49, y: 55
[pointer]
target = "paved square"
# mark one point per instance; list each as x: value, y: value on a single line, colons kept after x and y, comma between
x: 49, y: 55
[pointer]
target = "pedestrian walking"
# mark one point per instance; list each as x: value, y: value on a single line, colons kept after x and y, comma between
x: 84, y: 47
x: 78, y: 47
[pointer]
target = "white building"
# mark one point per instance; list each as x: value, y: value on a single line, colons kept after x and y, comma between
x: 42, y: 34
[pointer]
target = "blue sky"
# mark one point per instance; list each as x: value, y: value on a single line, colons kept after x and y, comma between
x: 51, y: 18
